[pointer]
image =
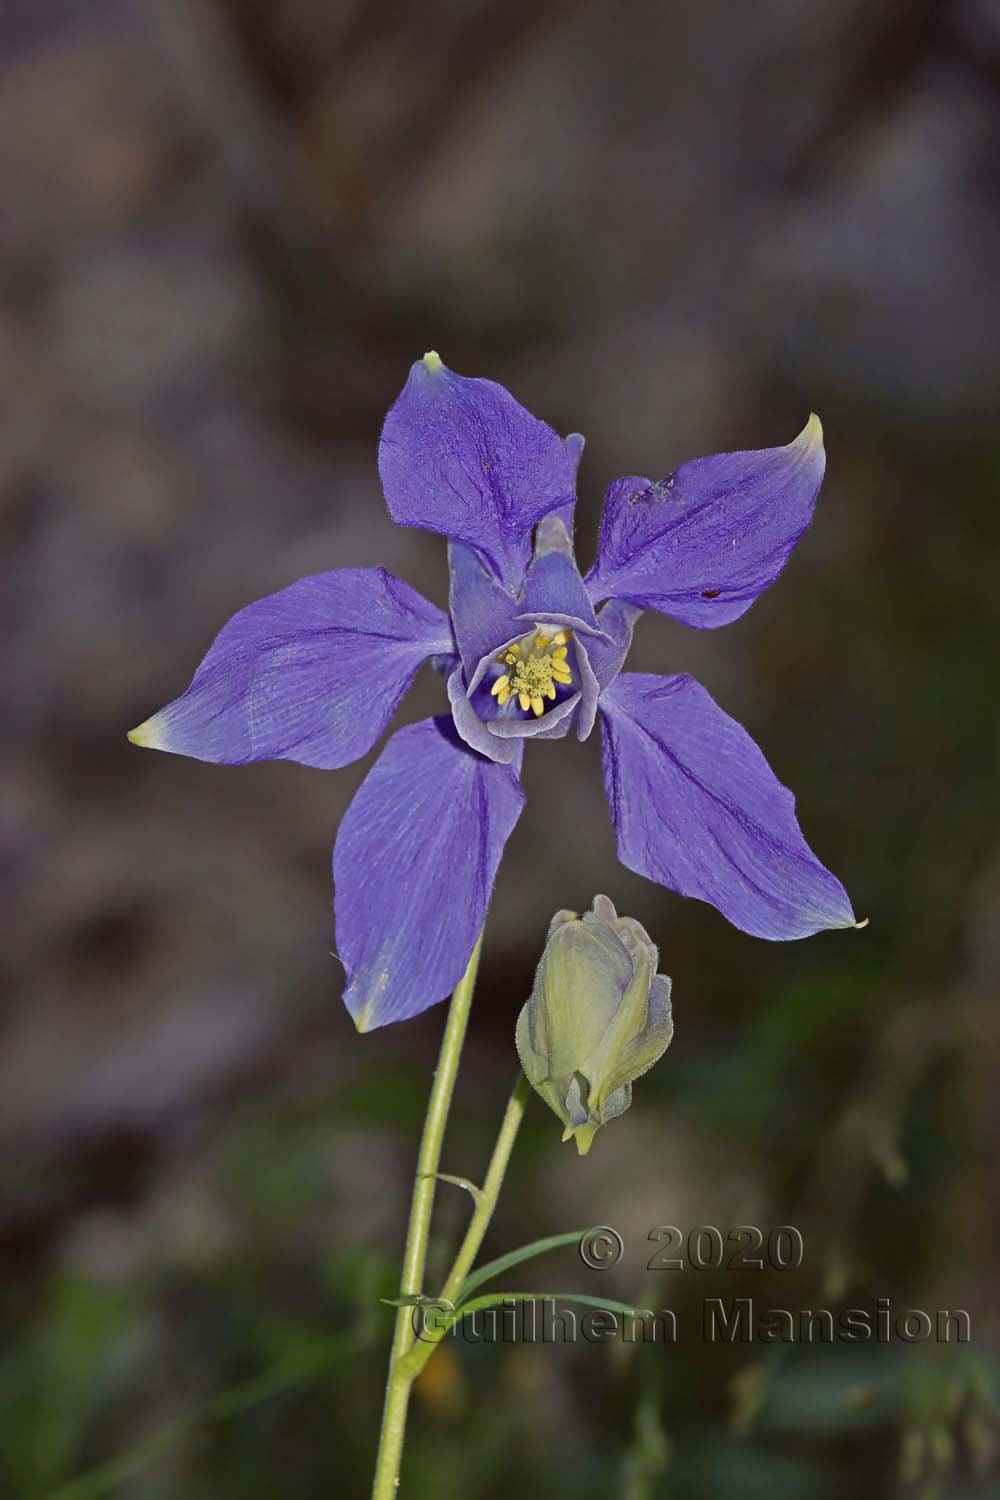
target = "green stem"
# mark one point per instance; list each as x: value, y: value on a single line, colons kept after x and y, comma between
x: 422, y: 1349
x: 398, y: 1384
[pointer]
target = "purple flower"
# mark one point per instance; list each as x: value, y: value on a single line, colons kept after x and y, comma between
x: 530, y: 650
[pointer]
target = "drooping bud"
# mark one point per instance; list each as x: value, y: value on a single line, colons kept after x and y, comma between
x: 598, y: 1016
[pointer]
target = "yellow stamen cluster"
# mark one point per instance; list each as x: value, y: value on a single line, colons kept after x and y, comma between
x: 535, y: 666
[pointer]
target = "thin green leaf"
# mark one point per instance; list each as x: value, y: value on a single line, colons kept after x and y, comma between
x: 420, y: 1352
x: 503, y: 1263
x: 494, y: 1299
x: 583, y: 1298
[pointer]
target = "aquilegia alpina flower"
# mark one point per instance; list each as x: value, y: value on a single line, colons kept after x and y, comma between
x: 314, y: 674
x: 597, y: 1018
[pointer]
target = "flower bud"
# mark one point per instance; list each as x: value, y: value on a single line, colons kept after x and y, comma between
x: 598, y: 1016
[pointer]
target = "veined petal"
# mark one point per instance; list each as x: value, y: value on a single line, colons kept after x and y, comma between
x: 701, y: 544
x: 414, y: 864
x: 471, y: 727
x: 590, y: 689
x: 574, y: 445
x: 522, y: 727
x: 697, y: 808
x: 484, y: 615
x: 462, y: 457
x: 313, y: 673
x: 607, y: 652
x: 553, y: 588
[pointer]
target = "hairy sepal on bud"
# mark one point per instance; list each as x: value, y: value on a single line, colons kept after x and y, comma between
x: 598, y: 1017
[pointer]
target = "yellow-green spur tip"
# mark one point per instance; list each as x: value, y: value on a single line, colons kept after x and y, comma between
x: 812, y: 432
x: 144, y: 735
x: 432, y: 361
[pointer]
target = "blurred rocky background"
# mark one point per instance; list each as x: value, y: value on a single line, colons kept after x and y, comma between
x: 226, y: 228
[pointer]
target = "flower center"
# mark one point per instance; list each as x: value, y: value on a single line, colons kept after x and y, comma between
x: 534, y: 667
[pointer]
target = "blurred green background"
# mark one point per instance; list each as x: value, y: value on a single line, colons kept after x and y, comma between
x: 227, y: 228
